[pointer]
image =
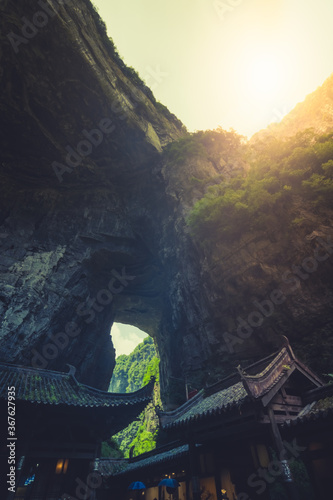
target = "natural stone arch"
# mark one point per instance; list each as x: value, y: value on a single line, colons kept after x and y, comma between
x: 124, y: 205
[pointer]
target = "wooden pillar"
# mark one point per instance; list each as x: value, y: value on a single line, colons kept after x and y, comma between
x: 218, y: 483
x: 194, y: 471
x: 188, y: 479
x: 97, y: 453
x: 282, y: 452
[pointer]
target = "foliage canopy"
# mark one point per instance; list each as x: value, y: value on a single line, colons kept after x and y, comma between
x: 130, y: 374
x: 259, y: 199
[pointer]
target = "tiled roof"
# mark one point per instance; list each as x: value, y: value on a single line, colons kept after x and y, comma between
x: 317, y: 410
x: 56, y: 388
x: 200, y: 405
x: 258, y: 382
x: 110, y: 467
x: 279, y: 369
x: 162, y: 457
x: 323, y: 404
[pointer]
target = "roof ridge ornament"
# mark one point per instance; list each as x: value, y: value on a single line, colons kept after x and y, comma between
x: 241, y: 372
x: 244, y: 381
x: 285, y: 341
x: 72, y: 371
x: 286, y: 344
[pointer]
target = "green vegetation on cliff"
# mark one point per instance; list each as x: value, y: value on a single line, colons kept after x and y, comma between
x: 110, y: 448
x: 130, y: 374
x: 255, y: 225
x: 280, y: 170
x: 210, y: 144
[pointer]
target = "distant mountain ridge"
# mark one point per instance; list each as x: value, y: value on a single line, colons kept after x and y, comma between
x: 316, y: 111
x: 130, y: 369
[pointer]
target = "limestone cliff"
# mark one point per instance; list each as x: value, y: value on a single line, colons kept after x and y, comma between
x: 78, y: 190
x: 93, y: 218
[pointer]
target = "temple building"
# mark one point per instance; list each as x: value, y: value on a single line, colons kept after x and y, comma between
x: 264, y: 432
x: 52, y: 427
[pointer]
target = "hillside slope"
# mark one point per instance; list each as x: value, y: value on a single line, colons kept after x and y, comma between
x: 130, y: 370
x: 316, y: 111
x: 130, y: 374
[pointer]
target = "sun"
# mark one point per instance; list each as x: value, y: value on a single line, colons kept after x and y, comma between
x: 260, y: 81
x: 264, y: 75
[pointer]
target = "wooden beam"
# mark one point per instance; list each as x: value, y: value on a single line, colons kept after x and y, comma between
x: 193, y: 460
x: 282, y: 452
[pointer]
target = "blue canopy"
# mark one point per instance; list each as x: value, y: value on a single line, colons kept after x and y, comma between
x: 172, y: 483
x: 137, y: 485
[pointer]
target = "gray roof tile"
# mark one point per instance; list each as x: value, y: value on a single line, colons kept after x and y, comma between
x: 110, y: 467
x: 56, y: 388
x: 201, y: 405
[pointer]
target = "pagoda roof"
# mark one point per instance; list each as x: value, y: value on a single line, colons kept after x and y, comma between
x: 319, y: 408
x: 203, y: 405
x: 159, y: 456
x: 257, y: 382
x: 49, y: 387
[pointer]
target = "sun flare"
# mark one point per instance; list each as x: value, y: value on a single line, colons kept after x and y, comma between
x: 267, y: 72
x: 262, y: 80
x: 263, y: 76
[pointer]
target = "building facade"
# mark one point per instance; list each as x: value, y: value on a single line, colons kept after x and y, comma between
x: 265, y: 432
x: 52, y: 427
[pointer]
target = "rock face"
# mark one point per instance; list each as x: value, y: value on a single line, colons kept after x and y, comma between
x: 92, y: 226
x: 78, y: 192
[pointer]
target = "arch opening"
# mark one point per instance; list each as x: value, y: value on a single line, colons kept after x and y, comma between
x: 126, y: 338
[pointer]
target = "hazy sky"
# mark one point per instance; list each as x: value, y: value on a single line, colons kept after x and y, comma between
x: 234, y: 63
x: 125, y: 338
